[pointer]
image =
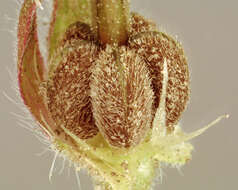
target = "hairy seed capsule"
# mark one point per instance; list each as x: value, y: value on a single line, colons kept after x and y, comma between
x: 68, y: 87
x: 122, y: 97
x: 154, y: 47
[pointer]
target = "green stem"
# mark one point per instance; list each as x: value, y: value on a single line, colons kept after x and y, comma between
x: 113, y: 21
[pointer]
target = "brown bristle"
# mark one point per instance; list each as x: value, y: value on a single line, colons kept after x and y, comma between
x: 154, y: 47
x: 68, y: 88
x: 139, y: 24
x: 122, y: 97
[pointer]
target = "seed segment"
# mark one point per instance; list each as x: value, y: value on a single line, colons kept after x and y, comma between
x: 154, y: 47
x: 138, y: 24
x: 68, y: 87
x: 122, y: 97
x: 78, y: 31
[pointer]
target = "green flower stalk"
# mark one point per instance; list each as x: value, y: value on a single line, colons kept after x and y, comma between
x: 112, y: 92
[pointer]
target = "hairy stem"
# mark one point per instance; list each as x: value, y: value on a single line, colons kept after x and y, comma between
x: 113, y: 21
